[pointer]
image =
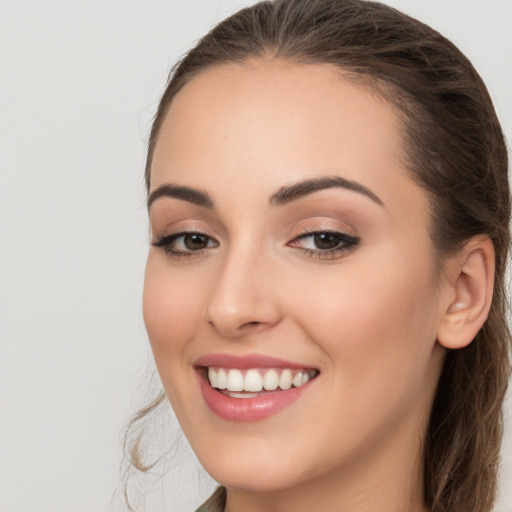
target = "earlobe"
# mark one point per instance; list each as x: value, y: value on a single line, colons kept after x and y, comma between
x: 472, y: 283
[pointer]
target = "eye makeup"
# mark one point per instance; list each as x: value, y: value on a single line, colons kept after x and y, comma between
x: 185, y: 244
x: 324, y: 244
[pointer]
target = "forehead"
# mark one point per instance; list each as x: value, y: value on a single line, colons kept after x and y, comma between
x: 260, y: 123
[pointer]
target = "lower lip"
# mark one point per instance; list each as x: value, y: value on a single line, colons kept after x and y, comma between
x: 248, y: 409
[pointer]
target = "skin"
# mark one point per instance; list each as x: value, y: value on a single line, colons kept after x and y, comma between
x: 367, y: 317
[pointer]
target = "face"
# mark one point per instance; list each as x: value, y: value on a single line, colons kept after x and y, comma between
x: 291, y: 249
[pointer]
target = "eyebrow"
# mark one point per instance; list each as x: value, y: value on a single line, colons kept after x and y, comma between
x: 283, y: 196
x: 188, y: 194
x: 303, y: 188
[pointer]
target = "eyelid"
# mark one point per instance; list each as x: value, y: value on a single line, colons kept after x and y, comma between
x: 305, y: 230
x: 304, y: 233
x: 311, y: 228
x: 165, y: 242
x: 172, y: 236
x: 346, y: 243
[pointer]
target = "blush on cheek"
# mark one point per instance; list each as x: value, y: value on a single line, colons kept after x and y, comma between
x: 168, y: 317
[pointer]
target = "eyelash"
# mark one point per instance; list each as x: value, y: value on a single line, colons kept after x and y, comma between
x: 347, y: 242
x: 166, y: 243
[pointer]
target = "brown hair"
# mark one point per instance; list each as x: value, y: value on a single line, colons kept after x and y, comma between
x: 455, y: 151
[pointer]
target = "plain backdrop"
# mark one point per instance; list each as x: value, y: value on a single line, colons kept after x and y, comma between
x: 79, y: 83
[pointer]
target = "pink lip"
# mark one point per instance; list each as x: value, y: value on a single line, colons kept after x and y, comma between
x: 246, y: 361
x: 246, y: 409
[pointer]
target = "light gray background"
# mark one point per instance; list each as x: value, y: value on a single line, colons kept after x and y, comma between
x: 79, y: 82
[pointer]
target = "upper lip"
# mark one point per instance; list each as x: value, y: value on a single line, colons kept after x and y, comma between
x: 247, y: 361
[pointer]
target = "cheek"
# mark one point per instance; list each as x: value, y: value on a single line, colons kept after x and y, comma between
x: 171, y: 309
x: 377, y: 324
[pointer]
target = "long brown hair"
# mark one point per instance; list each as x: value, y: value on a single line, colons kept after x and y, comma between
x: 455, y: 150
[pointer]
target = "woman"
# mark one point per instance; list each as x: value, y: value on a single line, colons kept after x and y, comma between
x: 324, y: 294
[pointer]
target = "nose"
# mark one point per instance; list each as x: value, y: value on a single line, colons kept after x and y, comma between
x: 243, y: 299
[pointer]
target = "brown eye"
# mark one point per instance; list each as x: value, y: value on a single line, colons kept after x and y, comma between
x: 185, y: 244
x: 324, y: 244
x: 195, y: 241
x: 326, y: 240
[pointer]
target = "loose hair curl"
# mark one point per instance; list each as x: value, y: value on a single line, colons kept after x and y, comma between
x: 455, y: 151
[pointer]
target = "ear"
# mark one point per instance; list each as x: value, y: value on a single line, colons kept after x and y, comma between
x: 471, y: 277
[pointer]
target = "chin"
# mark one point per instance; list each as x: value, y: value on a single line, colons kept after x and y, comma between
x: 253, y: 479
x: 256, y: 470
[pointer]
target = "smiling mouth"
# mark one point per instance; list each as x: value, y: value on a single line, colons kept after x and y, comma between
x: 255, y: 382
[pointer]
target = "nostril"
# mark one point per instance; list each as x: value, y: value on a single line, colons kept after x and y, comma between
x: 249, y: 324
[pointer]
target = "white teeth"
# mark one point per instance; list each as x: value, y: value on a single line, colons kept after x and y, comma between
x: 212, y: 377
x: 238, y: 385
x: 285, y: 379
x: 253, y: 381
x: 270, y: 380
x: 222, y: 379
x: 241, y: 395
x: 235, y: 380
